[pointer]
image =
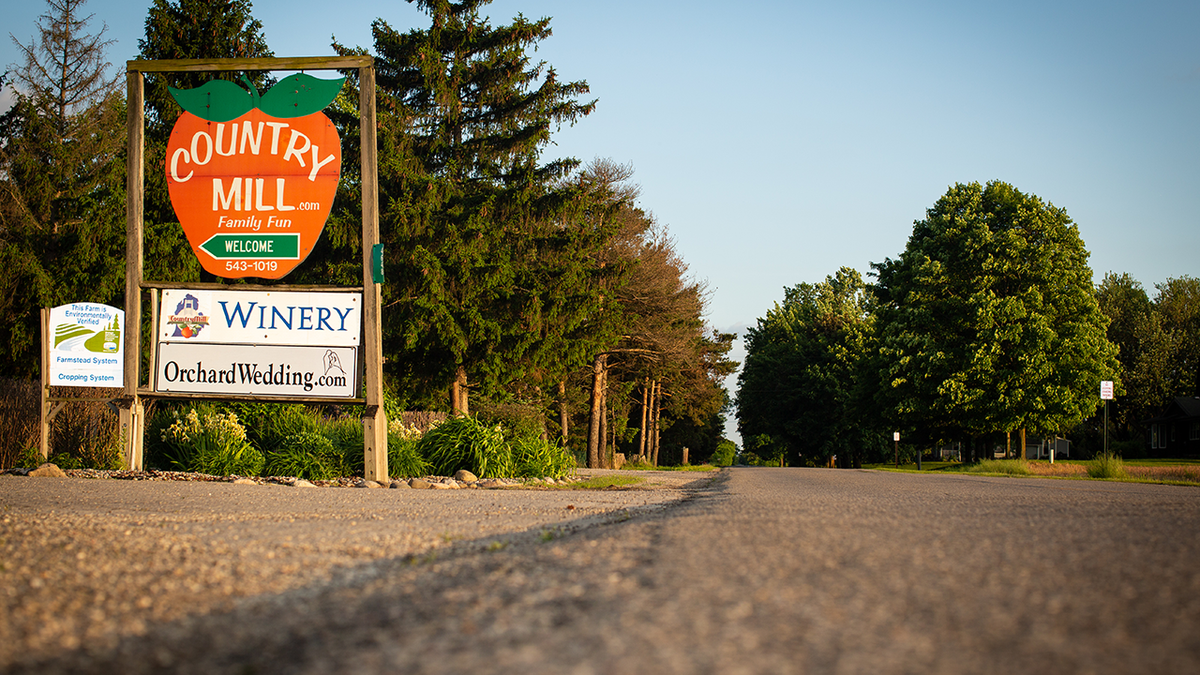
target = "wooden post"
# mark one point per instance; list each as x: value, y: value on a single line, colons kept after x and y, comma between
x: 375, y: 464
x: 657, y: 417
x: 132, y: 422
x: 562, y: 411
x: 44, y: 444
x: 642, y: 428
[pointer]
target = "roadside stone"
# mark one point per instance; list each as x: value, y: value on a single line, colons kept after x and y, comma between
x: 440, y: 486
x: 464, y: 476
x: 244, y: 481
x: 398, y: 485
x: 364, y: 483
x: 48, y: 470
x: 419, y: 484
x: 489, y: 483
x: 300, y: 482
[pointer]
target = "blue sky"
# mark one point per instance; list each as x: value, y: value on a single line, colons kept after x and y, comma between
x: 781, y: 140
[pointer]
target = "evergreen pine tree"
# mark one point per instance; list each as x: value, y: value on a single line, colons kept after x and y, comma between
x: 185, y: 29
x: 61, y: 181
x: 466, y: 204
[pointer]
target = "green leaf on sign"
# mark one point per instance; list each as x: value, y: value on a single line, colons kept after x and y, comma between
x: 300, y: 95
x: 215, y: 100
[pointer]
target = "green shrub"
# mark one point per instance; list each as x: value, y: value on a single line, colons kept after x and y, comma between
x: 29, y: 458
x: 305, y: 455
x: 1106, y: 466
x: 285, y: 421
x: 466, y: 443
x: 725, y: 453
x: 210, y: 442
x: 65, y: 461
x: 404, y: 458
x: 538, y: 458
x: 346, y: 435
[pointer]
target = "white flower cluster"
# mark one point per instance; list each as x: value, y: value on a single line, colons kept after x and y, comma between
x: 405, y: 432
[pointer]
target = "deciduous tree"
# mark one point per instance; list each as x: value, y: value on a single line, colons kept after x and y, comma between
x: 801, y: 381
x: 988, y: 320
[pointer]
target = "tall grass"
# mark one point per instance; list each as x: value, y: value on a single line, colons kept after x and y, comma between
x: 1106, y: 465
x: 83, y: 435
x: 305, y: 455
x: 538, y: 458
x: 1010, y: 467
x: 466, y: 443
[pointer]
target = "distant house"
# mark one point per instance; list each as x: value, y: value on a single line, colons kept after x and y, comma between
x: 1176, y: 431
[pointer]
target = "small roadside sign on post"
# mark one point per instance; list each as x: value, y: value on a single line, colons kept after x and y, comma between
x: 1106, y: 395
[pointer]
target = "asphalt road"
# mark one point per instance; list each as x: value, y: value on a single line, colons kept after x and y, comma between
x: 761, y: 571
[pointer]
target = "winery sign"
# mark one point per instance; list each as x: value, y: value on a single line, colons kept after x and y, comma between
x: 264, y: 343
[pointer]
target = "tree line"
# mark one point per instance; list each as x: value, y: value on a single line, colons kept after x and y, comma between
x: 986, y: 328
x: 514, y: 281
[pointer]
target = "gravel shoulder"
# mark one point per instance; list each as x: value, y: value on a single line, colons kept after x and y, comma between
x: 87, y: 563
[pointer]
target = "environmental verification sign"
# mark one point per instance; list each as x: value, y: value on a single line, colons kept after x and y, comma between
x: 86, y: 345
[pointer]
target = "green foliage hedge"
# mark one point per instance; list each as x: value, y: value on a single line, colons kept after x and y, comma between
x: 293, y: 440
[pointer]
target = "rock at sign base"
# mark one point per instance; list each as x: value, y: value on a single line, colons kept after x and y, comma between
x: 48, y: 470
x: 465, y: 476
x: 418, y: 484
x: 398, y: 485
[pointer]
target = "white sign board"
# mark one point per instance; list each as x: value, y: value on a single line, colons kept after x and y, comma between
x: 1106, y: 390
x: 260, y: 318
x: 86, y: 345
x: 266, y: 370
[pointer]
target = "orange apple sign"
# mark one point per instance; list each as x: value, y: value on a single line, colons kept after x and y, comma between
x: 252, y: 179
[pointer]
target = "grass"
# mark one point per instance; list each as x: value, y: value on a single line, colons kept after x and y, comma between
x: 642, y: 466
x: 1162, y: 471
x: 1162, y: 462
x: 600, y: 483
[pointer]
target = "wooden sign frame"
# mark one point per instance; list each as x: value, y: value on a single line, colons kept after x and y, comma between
x: 132, y: 406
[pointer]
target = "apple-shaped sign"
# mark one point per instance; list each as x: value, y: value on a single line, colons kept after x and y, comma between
x: 252, y: 179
